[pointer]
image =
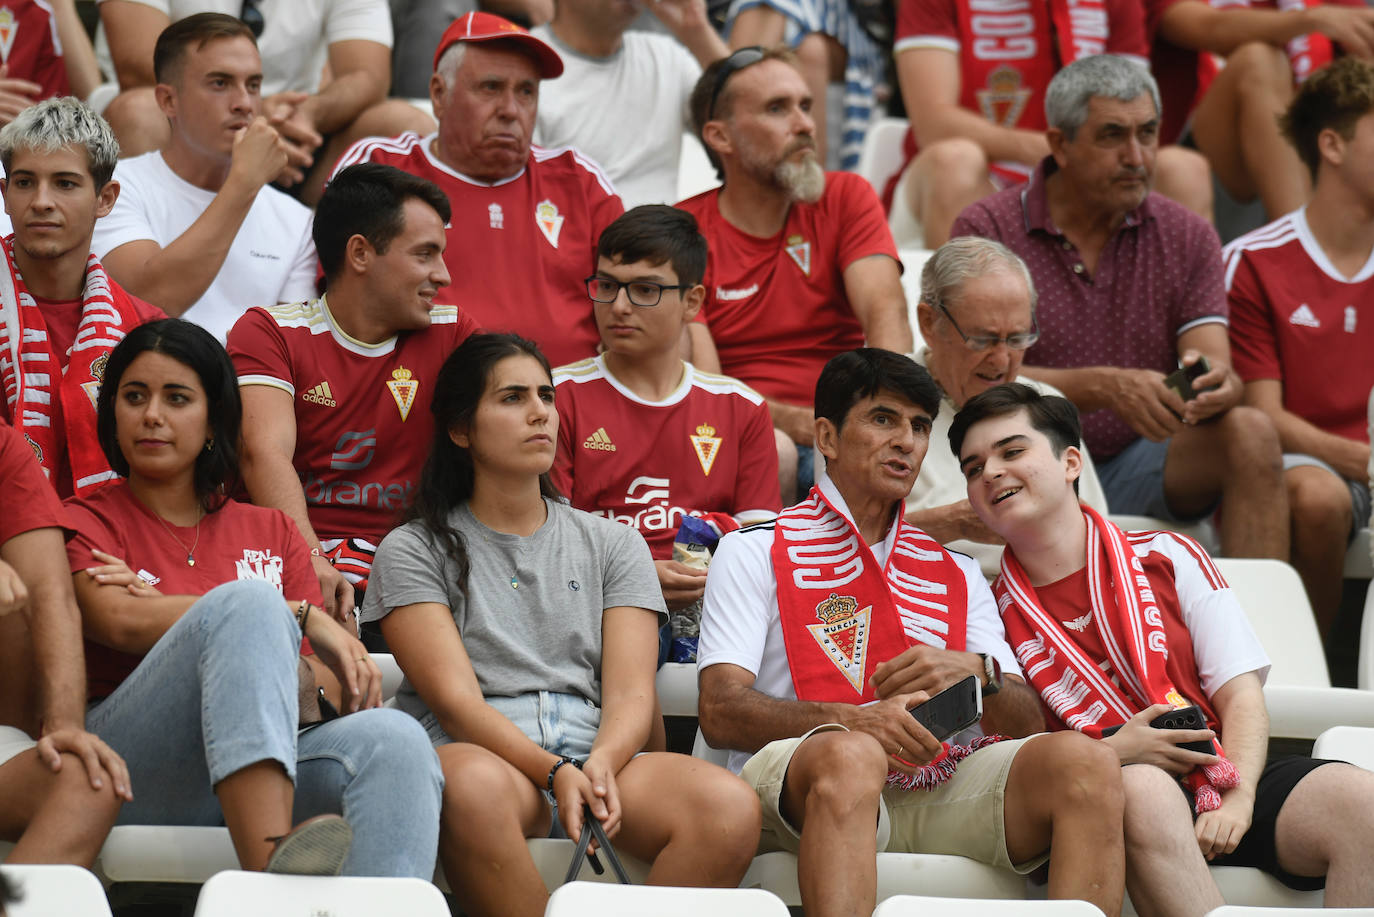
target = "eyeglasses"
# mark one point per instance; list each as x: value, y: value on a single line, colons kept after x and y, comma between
x: 641, y: 292
x: 744, y: 57
x: 1019, y: 340
x: 251, y: 16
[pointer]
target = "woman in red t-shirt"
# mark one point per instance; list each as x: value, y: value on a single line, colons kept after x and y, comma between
x: 193, y: 661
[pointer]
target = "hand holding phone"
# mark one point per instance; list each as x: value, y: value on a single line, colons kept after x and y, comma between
x: 1182, y: 718
x: 952, y: 710
x: 1181, y: 380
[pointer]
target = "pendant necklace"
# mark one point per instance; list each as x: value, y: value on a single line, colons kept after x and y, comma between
x: 191, y: 551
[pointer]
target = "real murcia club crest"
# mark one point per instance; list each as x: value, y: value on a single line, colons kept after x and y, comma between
x: 549, y: 220
x: 707, y: 446
x: 92, y: 388
x: 800, y: 251
x: 843, y: 634
x: 403, y: 389
x: 9, y: 27
x: 1005, y: 98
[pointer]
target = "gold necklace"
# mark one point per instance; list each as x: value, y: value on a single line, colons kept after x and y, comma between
x: 191, y: 551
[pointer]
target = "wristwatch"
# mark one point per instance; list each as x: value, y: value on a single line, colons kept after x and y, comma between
x: 993, y: 670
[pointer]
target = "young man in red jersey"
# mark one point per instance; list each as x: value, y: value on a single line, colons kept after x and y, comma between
x: 1300, y: 291
x: 336, y: 391
x: 646, y: 438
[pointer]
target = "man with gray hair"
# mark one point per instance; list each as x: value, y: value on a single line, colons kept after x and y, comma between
x: 60, y: 313
x: 1133, y: 289
x: 525, y: 219
x: 977, y: 317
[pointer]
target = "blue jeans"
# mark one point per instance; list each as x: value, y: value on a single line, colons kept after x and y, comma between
x: 218, y: 692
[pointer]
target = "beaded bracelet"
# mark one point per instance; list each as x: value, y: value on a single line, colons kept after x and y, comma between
x: 562, y: 760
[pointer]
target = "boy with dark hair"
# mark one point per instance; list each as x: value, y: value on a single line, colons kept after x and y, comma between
x: 1114, y: 629
x: 646, y: 438
x: 326, y: 382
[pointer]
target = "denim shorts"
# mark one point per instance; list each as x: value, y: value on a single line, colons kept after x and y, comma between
x: 564, y: 724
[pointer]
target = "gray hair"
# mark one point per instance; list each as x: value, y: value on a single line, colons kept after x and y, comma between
x: 450, y: 61
x: 1107, y: 76
x: 56, y: 123
x: 967, y: 258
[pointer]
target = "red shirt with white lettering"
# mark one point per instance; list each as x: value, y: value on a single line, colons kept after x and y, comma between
x: 30, y: 48
x: 29, y: 501
x: 706, y: 448
x: 777, y: 307
x: 519, y: 250
x: 1295, y: 318
x: 237, y: 541
x: 363, y: 425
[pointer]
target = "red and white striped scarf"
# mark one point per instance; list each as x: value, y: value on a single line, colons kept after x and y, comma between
x: 1129, y: 623
x: 841, y: 614
x: 33, y: 376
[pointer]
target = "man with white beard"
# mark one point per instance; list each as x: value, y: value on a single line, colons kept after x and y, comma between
x: 802, y: 263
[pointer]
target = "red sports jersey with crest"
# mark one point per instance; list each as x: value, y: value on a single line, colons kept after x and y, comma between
x: 777, y: 307
x: 519, y: 250
x: 363, y: 425
x: 29, y: 501
x: 237, y: 541
x: 30, y: 48
x: 1295, y: 318
x: 706, y: 448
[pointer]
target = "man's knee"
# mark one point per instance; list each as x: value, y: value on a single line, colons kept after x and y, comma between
x: 1259, y: 65
x: 1077, y: 772
x: 946, y: 168
x: 839, y: 770
x: 1318, y: 503
x: 137, y: 121
x: 1249, y: 441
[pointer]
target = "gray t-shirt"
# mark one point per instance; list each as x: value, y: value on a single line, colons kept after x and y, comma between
x: 531, y: 618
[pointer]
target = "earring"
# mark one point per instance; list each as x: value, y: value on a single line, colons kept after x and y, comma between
x: 210, y: 444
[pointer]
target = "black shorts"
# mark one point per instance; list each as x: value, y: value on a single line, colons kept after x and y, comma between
x: 1257, y: 847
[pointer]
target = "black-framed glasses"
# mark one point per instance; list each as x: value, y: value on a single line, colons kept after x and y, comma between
x: 1018, y: 340
x: 641, y: 292
x: 744, y: 57
x: 251, y: 16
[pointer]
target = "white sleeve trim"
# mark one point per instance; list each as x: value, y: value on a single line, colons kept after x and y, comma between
x: 272, y: 381
x: 941, y: 42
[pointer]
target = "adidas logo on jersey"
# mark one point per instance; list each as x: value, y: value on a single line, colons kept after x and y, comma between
x: 1303, y: 316
x: 321, y: 395
x: 599, y: 441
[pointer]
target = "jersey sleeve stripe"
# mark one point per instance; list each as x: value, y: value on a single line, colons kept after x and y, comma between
x: 942, y: 42
x: 1201, y: 320
x: 271, y: 381
x: 592, y: 166
x: 362, y: 150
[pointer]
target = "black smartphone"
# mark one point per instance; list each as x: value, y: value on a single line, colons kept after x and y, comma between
x: 1181, y: 380
x: 952, y: 710
x: 1182, y: 718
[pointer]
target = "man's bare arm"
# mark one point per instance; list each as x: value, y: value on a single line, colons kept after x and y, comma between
x: 952, y: 522
x: 873, y: 286
x: 1245, y: 737
x: 132, y: 30
x: 1348, y: 456
x: 78, y: 57
x: 688, y: 22
x: 40, y: 558
x: 1196, y: 25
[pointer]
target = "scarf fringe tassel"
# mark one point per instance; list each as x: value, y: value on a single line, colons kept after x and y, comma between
x: 929, y: 776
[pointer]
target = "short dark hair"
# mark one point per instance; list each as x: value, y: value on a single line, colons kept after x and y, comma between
x: 854, y: 375
x: 1333, y: 98
x: 368, y: 200
x: 216, y: 469
x: 700, y: 102
x: 170, y: 51
x: 657, y: 233
x: 1052, y: 415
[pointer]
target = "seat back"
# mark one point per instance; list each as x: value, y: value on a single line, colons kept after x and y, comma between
x: 923, y: 906
x: 55, y: 891
x: 913, y: 260
x: 577, y: 899
x: 1347, y: 743
x: 234, y: 893
x: 695, y: 173
x: 881, y: 155
x: 391, y: 674
x: 1364, y: 667
x: 1276, y: 605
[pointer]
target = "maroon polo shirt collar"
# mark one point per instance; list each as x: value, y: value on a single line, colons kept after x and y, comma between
x: 1035, y: 203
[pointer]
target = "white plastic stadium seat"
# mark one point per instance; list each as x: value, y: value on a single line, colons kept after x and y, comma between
x: 55, y: 891
x: 881, y: 155
x: 901, y: 222
x: 1202, y: 531
x: 923, y: 906
x: 1364, y: 666
x: 1298, y: 694
x: 391, y: 674
x: 577, y: 899
x: 1346, y: 743
x: 1359, y: 564
x: 166, y: 853
x: 676, y: 684
x: 913, y: 260
x: 695, y: 173
x: 1232, y: 910
x: 898, y: 874
x: 234, y: 893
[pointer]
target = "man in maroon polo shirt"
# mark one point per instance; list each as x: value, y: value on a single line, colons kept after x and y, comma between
x: 1131, y: 286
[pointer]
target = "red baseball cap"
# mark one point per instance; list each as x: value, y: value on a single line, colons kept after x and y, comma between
x: 490, y: 27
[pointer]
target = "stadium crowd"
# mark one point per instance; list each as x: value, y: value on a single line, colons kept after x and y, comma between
x: 537, y: 442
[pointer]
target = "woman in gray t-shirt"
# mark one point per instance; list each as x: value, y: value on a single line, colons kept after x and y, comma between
x: 528, y: 634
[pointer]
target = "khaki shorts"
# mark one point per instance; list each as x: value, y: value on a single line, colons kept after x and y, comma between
x: 964, y: 816
x: 13, y: 742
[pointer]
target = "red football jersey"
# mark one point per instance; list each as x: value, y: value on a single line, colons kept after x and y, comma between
x: 29, y: 502
x: 777, y: 307
x: 350, y: 397
x: 29, y: 46
x: 519, y: 250
x: 237, y: 541
x: 1295, y: 318
x: 706, y: 448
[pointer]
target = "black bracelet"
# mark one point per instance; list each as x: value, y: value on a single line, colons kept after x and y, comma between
x: 562, y: 760
x: 303, y: 614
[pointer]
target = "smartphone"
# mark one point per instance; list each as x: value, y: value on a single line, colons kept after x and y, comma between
x: 1182, y: 718
x: 1181, y: 380
x: 952, y: 710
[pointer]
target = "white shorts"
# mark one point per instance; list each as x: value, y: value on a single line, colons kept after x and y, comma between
x: 13, y: 742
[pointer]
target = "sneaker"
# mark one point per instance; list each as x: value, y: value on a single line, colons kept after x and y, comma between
x: 316, y: 847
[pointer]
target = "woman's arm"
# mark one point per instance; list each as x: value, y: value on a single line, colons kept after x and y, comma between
x: 629, y: 648
x: 429, y: 649
x: 113, y: 617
